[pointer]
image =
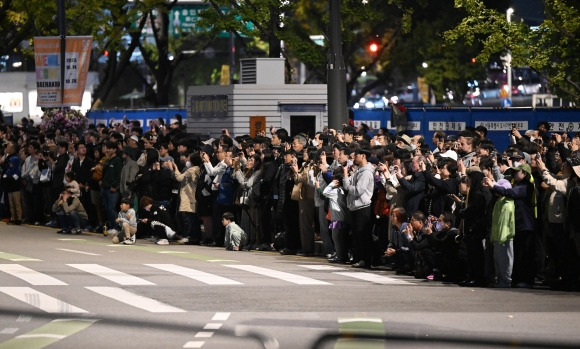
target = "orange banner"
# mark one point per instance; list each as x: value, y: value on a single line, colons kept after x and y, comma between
x: 257, y: 125
x: 48, y: 65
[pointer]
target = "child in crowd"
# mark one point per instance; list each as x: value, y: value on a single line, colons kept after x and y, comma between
x: 338, y: 217
x: 503, y: 228
x: 72, y: 184
x: 127, y: 222
x: 235, y: 236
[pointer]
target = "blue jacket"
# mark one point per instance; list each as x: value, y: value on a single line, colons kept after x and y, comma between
x: 522, y: 193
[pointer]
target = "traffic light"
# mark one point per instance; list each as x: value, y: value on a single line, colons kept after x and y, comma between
x: 373, y: 47
x: 473, y: 60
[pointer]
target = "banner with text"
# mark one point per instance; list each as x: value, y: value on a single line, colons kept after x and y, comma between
x: 48, y: 67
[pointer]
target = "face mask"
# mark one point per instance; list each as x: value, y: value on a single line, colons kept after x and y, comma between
x: 188, y: 164
x: 315, y: 143
x: 516, y: 164
x: 532, y: 139
x: 439, y: 226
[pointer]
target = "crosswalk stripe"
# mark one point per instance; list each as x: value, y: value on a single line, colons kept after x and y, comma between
x: 40, y: 300
x: 321, y: 267
x: 194, y: 274
x: 377, y: 279
x: 47, y: 334
x: 17, y: 258
x: 31, y: 276
x: 111, y: 274
x: 135, y: 300
x: 293, y: 278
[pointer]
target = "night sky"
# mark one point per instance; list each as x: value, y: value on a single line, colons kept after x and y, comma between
x: 530, y: 10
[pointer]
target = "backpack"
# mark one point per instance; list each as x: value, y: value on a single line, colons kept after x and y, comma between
x: 226, y: 189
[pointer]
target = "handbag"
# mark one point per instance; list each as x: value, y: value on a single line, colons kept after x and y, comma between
x: 45, y: 175
x: 244, y: 198
x: 296, y: 192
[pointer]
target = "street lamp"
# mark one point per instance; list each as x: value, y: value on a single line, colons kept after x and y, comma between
x: 508, y: 15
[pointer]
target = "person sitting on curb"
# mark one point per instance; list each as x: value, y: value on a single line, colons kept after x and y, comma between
x: 127, y: 222
x: 235, y: 236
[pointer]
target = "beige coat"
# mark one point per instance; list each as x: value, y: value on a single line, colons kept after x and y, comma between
x: 188, y: 185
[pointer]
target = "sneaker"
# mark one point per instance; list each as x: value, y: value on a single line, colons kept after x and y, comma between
x: 133, y: 238
x: 128, y: 242
x: 162, y: 242
x: 183, y: 241
x: 79, y: 231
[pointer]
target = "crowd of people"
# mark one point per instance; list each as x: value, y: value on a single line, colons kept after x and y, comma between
x: 450, y: 208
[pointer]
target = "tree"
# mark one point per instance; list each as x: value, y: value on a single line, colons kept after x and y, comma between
x: 551, y: 49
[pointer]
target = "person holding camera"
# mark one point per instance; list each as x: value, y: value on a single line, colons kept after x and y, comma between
x: 70, y: 213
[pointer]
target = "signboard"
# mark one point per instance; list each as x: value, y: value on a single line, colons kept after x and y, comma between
x: 11, y: 102
x: 564, y: 126
x: 504, y: 125
x: 47, y: 58
x: 208, y: 106
x: 257, y: 125
x: 447, y: 126
x: 373, y: 124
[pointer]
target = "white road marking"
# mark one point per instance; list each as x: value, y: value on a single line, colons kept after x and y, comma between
x: 194, y: 344
x: 81, y: 252
x: 40, y: 300
x: 203, y: 335
x: 9, y: 330
x: 43, y: 335
x: 198, y: 275
x: 293, y: 278
x: 321, y: 267
x: 135, y: 300
x: 377, y: 279
x: 212, y: 326
x: 31, y: 276
x: 112, y: 275
x: 221, y: 316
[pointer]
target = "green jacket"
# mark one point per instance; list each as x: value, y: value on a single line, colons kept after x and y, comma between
x: 112, y: 173
x: 503, y: 221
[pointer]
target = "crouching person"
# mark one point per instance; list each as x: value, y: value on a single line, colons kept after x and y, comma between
x: 154, y: 221
x: 235, y: 236
x: 127, y: 224
x: 70, y: 213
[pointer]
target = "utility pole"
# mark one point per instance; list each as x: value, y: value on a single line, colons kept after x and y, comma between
x: 62, y: 32
x: 336, y: 71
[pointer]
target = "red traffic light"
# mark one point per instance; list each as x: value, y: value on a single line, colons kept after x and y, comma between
x: 373, y: 47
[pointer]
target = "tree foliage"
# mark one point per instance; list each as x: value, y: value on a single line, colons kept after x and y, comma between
x: 551, y: 49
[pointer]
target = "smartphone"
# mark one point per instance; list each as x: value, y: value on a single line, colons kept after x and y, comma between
x: 538, y: 156
x: 513, y: 125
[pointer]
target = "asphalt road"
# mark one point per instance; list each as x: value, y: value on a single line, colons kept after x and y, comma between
x: 81, y: 291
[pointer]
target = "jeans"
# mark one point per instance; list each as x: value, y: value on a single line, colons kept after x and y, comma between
x: 111, y: 204
x: 191, y: 224
x: 69, y: 221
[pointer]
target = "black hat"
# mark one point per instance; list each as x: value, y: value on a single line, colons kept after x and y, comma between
x: 208, y: 149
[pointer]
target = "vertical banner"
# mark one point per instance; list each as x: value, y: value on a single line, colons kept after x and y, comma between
x: 257, y: 125
x: 48, y: 63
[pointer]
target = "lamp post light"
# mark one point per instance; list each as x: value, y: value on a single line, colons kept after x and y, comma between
x: 508, y: 15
